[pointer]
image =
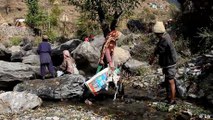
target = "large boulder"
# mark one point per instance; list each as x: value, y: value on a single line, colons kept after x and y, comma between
x: 121, y: 56
x: 27, y: 43
x: 5, y: 54
x: 133, y: 66
x: 17, y: 56
x: 31, y: 59
x: 98, y: 41
x: 70, y: 45
x: 14, y: 49
x: 57, y: 52
x: 31, y: 52
x: 66, y: 86
x: 16, y: 102
x: 86, y: 56
x: 12, y: 72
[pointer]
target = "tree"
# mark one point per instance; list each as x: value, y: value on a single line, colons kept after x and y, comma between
x: 34, y: 16
x: 106, y: 12
x: 196, y: 24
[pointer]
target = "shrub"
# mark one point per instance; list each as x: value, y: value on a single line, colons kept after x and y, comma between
x: 52, y: 35
x: 37, y: 41
x: 85, y: 27
x: 15, y: 40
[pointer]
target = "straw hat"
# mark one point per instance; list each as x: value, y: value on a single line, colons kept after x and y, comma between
x: 159, y: 27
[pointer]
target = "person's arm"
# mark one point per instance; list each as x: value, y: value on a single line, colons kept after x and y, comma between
x: 109, y: 59
x: 160, y: 49
x: 101, y: 60
x: 172, y: 51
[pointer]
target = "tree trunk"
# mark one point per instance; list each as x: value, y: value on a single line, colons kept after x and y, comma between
x: 115, y: 20
x: 104, y: 25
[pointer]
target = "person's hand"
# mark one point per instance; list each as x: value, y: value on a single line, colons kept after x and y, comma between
x: 111, y: 66
x: 101, y: 62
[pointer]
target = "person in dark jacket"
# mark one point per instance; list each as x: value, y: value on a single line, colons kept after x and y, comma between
x: 167, y: 59
x: 44, y: 51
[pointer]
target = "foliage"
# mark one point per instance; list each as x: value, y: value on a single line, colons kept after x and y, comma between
x: 54, y: 15
x: 15, y: 40
x: 37, y: 41
x: 196, y: 17
x: 206, y: 36
x: 52, y: 35
x: 37, y: 18
x: 34, y: 15
x: 107, y: 13
x: 86, y: 27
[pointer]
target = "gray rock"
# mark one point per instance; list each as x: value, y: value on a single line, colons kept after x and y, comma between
x: 5, y: 54
x: 133, y: 65
x: 30, y: 52
x: 86, y: 56
x: 11, y: 71
x: 66, y: 86
x: 16, y: 102
x: 70, y: 45
x: 17, y: 56
x: 14, y: 49
x: 31, y: 59
x: 181, y: 91
x: 121, y: 56
x: 98, y: 41
x: 28, y: 46
x: 181, y: 88
x: 211, y: 52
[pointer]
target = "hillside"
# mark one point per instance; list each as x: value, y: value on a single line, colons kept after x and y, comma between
x: 18, y: 9
x: 149, y: 9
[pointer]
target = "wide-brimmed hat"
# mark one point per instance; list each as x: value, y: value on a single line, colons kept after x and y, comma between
x: 159, y: 27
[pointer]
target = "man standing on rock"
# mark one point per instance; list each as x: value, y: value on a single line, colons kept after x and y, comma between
x: 44, y: 51
x: 167, y: 59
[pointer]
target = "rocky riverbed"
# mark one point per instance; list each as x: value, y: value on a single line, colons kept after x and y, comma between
x: 140, y: 104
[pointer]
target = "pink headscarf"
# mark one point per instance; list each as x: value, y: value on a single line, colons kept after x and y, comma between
x: 66, y: 54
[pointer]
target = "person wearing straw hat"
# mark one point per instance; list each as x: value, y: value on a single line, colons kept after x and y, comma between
x: 44, y: 51
x: 167, y: 56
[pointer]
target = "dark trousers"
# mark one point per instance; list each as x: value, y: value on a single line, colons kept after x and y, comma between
x: 50, y: 68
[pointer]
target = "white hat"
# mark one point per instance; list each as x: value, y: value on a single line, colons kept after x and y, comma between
x: 159, y: 27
